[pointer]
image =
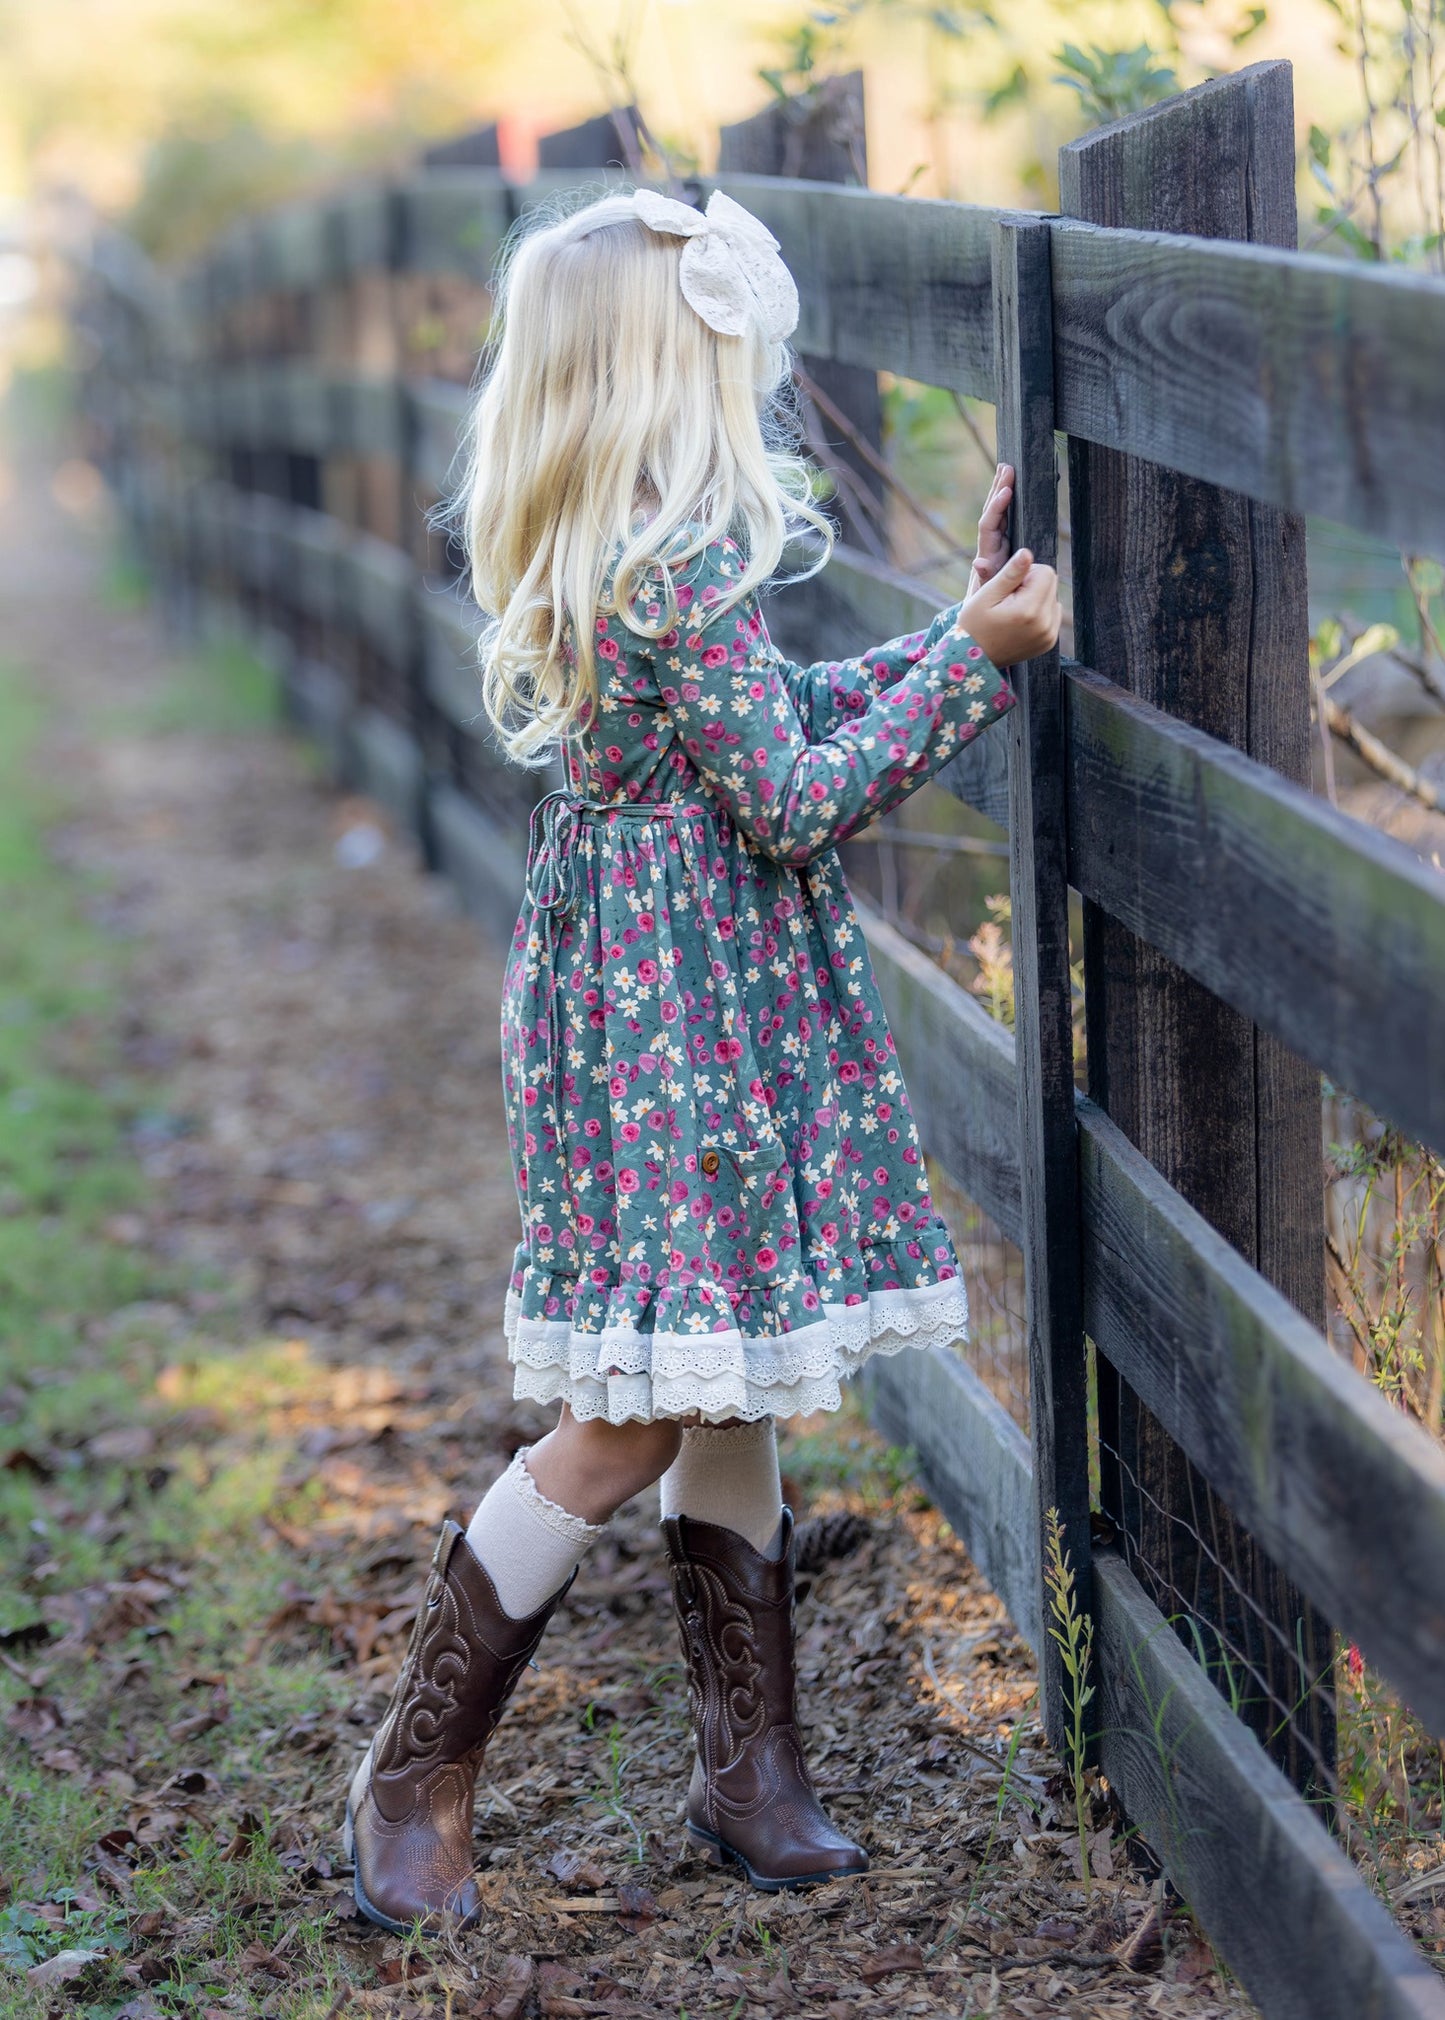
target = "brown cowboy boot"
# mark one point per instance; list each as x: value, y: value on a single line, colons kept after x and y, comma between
x: 751, y: 1800
x: 409, y: 1809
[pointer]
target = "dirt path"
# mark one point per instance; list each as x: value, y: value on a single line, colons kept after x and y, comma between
x: 330, y: 1204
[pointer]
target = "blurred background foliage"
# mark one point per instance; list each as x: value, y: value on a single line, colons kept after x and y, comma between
x: 179, y: 114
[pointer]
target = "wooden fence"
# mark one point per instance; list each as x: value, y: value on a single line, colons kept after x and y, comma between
x: 1240, y: 935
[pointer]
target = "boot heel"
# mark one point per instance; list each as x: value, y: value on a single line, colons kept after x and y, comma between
x: 713, y: 1853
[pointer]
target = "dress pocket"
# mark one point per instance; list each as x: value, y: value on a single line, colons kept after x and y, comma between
x: 737, y: 1186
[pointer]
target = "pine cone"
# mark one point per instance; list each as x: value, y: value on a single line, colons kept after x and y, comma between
x: 825, y: 1538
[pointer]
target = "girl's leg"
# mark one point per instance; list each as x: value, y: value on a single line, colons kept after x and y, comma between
x: 491, y: 1592
x: 541, y: 1516
x: 728, y: 1474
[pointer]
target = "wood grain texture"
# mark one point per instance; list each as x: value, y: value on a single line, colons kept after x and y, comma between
x: 975, y: 1464
x: 1343, y: 1490
x: 1286, y: 1909
x: 1194, y: 599
x: 958, y: 1067
x: 1325, y: 931
x: 1306, y: 383
x: 1043, y: 1015
x: 1303, y: 381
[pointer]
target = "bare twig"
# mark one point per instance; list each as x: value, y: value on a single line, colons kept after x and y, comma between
x: 832, y: 412
x: 1326, y: 748
x: 869, y: 521
x: 919, y: 838
x: 1381, y: 760
x: 988, y: 454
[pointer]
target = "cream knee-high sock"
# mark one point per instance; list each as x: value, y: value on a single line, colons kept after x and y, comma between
x: 728, y: 1474
x: 525, y: 1543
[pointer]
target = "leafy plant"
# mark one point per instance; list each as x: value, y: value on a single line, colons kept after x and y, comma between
x: 1111, y: 82
x: 991, y: 949
x: 1072, y: 1632
x: 1386, y: 1250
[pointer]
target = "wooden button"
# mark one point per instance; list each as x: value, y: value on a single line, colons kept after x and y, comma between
x: 710, y: 1162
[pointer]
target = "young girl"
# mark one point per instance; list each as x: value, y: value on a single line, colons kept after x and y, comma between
x: 724, y: 1205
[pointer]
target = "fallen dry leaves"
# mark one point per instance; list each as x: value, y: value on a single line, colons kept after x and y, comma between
x: 327, y: 1040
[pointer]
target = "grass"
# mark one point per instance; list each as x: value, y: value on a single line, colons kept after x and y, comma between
x: 142, y: 1563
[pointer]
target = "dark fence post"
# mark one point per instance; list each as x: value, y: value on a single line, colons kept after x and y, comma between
x: 1043, y: 1024
x: 1195, y: 599
x: 821, y: 138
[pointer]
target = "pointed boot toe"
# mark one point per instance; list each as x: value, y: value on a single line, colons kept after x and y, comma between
x: 409, y: 1808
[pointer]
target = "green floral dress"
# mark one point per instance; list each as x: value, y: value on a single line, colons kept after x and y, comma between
x: 724, y: 1205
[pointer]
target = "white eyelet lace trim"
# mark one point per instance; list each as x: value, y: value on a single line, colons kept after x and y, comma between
x: 622, y: 1374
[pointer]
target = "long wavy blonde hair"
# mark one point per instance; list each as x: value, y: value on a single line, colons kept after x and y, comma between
x: 610, y: 421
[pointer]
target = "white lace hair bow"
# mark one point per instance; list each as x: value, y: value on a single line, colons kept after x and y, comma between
x: 731, y: 270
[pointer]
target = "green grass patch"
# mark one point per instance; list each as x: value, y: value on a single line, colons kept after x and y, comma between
x: 148, y: 1462
x: 221, y: 689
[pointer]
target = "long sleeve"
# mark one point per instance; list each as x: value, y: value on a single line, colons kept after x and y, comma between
x: 832, y: 692
x: 734, y: 703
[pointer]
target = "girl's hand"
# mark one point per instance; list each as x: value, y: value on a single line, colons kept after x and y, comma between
x: 1016, y: 615
x: 992, y: 539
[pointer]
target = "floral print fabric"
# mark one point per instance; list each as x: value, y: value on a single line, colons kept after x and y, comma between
x: 724, y: 1203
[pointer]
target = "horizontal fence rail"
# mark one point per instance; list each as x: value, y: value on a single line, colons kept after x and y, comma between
x: 1243, y: 365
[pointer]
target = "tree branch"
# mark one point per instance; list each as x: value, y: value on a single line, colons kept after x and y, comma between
x: 1382, y: 761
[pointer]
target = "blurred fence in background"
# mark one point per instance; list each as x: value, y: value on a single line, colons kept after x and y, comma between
x: 1150, y: 1355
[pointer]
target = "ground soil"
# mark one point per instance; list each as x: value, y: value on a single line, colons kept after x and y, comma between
x: 327, y: 1174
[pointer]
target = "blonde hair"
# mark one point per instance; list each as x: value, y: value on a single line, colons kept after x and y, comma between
x: 603, y: 389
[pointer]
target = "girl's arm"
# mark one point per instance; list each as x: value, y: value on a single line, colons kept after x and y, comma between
x: 832, y: 692
x: 735, y: 714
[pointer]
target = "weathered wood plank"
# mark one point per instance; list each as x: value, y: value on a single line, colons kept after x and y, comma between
x: 1286, y: 1909
x: 1043, y: 1020
x: 1342, y: 1489
x: 1304, y: 381
x: 958, y: 1065
x: 1325, y: 931
x: 485, y: 861
x: 1280, y: 1425
x: 1194, y: 599
x: 1246, y: 366
x: 453, y: 220
x: 893, y: 282
x: 975, y: 1464
x: 823, y: 138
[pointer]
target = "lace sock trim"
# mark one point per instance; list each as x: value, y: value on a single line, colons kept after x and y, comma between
x: 572, y: 1528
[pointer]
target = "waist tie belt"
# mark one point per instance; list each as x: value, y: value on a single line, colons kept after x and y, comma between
x: 553, y: 833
